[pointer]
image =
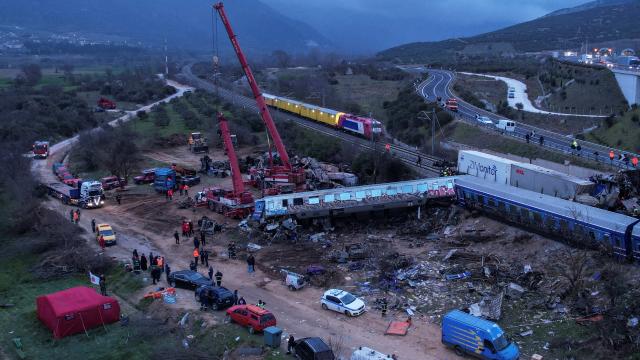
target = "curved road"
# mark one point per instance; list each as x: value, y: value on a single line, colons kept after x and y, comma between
x: 439, y: 84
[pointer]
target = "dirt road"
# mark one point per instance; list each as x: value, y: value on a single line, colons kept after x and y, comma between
x: 146, y: 222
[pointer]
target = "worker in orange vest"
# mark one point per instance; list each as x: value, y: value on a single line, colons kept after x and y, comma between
x: 611, y: 155
x: 196, y: 254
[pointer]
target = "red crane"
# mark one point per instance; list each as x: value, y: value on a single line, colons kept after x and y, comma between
x: 278, y: 173
x: 236, y: 203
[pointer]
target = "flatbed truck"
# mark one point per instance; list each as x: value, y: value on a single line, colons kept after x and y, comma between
x: 88, y: 196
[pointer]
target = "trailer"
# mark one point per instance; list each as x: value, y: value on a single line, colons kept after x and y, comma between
x: 89, y: 195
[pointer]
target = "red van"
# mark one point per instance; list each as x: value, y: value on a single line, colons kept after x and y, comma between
x: 251, y: 316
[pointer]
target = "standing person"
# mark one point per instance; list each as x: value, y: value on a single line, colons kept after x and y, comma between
x: 143, y: 263
x: 167, y: 271
x: 103, y: 285
x: 135, y: 253
x: 177, y: 237
x: 196, y: 254
x: 251, y: 262
x: 210, y: 273
x: 181, y: 187
x: 205, y: 256
x: 93, y: 225
x: 118, y: 198
x: 231, y: 250
x: 185, y: 229
x: 186, y: 190
x: 218, y: 278
x: 419, y: 161
x: 154, y: 273
x: 242, y: 301
x: 151, y: 259
x: 190, y: 228
x: 290, y: 344
x: 72, y: 215
x: 78, y: 212
x: 202, y: 238
x: 170, y: 194
x: 196, y: 242
x: 160, y: 263
x: 101, y: 242
x: 235, y: 297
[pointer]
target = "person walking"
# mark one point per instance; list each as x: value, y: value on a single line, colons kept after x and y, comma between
x: 202, y: 238
x: 101, y: 242
x: 118, y: 198
x: 251, y: 262
x: 103, y: 285
x: 205, y: 256
x: 196, y: 242
x: 176, y: 236
x: 218, y: 278
x: 210, y: 272
x: 93, y: 226
x: 143, y: 263
x: 167, y: 271
x: 196, y: 254
x: 290, y: 344
x: 190, y: 228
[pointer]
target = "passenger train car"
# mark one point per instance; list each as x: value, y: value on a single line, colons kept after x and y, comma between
x: 577, y: 223
x: 365, y: 127
x: 339, y: 201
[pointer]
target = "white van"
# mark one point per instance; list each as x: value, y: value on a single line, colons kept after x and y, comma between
x: 506, y: 125
x: 365, y: 353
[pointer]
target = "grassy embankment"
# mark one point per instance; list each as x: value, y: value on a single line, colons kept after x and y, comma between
x: 623, y: 132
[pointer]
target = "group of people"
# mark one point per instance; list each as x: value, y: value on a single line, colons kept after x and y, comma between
x: 74, y: 215
x: 155, y: 264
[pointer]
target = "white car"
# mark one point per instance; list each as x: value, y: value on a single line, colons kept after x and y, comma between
x: 484, y: 120
x: 342, y: 302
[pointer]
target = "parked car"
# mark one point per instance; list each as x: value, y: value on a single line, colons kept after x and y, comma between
x: 70, y: 180
x: 188, y: 180
x: 108, y: 233
x: 342, y: 302
x: 251, y: 316
x: 214, y: 297
x: 147, y: 177
x: 188, y: 279
x: 312, y: 348
x: 484, y: 120
x: 112, y: 182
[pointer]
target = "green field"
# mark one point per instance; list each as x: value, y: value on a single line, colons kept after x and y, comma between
x: 369, y: 94
x: 624, y: 132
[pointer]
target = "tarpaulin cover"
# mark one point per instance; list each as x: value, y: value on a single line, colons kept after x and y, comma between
x: 76, y: 310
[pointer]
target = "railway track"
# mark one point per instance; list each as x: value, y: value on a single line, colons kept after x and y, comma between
x: 404, y: 153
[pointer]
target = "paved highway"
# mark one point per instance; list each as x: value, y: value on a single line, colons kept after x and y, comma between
x: 439, y: 83
x: 405, y: 153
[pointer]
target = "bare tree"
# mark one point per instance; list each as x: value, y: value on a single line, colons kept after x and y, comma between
x: 336, y: 343
x: 572, y: 265
x: 31, y: 74
x: 283, y: 59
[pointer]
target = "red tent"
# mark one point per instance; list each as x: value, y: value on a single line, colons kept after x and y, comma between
x: 75, y: 310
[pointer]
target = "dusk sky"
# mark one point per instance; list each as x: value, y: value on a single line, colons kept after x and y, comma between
x: 378, y: 24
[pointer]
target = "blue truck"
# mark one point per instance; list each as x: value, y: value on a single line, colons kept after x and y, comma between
x: 481, y: 338
x: 165, y: 180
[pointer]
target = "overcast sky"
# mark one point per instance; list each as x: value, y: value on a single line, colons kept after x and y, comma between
x: 378, y: 24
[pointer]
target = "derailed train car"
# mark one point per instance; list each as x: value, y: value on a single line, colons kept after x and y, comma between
x: 361, y: 126
x: 576, y: 223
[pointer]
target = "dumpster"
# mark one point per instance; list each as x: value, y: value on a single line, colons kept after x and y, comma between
x: 272, y: 336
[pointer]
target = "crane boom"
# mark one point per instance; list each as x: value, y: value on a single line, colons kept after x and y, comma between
x: 236, y: 177
x: 262, y: 106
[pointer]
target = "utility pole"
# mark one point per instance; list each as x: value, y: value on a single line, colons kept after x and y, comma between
x: 166, y: 60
